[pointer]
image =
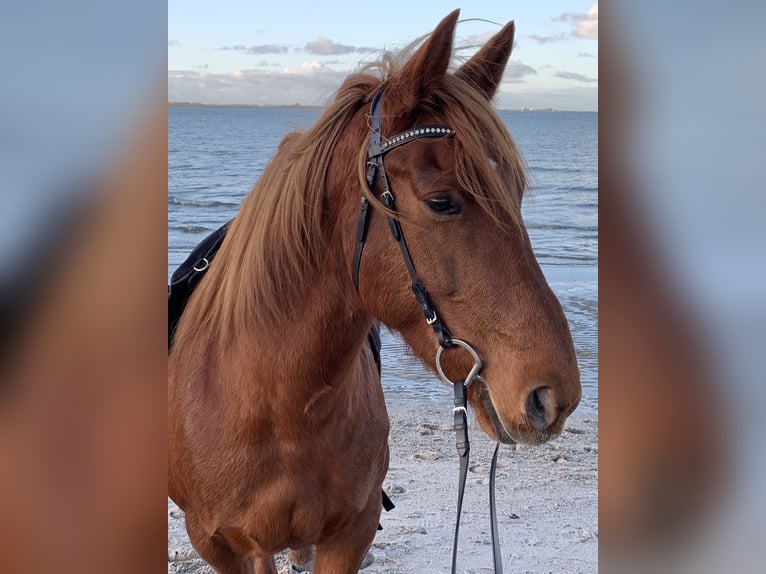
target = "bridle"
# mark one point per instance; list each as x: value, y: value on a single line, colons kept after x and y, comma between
x: 378, y: 148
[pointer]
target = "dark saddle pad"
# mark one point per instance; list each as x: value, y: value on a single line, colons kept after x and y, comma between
x: 187, y: 276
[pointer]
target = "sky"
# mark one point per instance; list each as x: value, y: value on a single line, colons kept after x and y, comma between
x: 299, y: 52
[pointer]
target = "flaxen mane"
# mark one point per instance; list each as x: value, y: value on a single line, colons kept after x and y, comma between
x: 277, y: 239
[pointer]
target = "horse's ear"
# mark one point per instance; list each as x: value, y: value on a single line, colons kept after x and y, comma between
x: 485, y: 69
x: 429, y: 64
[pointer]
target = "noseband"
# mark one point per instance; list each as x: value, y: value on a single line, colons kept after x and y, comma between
x: 378, y: 148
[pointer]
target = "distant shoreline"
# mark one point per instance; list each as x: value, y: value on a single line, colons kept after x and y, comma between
x: 305, y: 107
x: 258, y: 106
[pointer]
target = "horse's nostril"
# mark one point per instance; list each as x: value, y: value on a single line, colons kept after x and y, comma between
x: 541, y: 407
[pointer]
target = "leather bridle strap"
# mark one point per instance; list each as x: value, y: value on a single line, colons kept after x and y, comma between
x: 464, y: 451
x: 497, y: 558
x: 379, y: 147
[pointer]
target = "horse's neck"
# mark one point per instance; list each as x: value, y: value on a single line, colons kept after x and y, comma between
x: 315, y: 348
x: 314, y: 352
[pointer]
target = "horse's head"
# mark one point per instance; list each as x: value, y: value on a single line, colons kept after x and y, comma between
x: 458, y: 199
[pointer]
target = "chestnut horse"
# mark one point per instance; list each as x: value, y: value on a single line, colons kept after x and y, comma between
x: 277, y: 421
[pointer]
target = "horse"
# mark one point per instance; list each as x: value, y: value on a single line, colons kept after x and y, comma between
x: 277, y: 420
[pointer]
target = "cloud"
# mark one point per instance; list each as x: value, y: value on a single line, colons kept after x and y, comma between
x: 515, y: 72
x: 549, y: 39
x: 476, y: 40
x: 268, y: 64
x: 588, y: 27
x: 325, y: 47
x: 173, y: 43
x: 585, y: 25
x: 309, y: 84
x: 574, y: 76
x: 257, y: 50
x: 479, y: 39
x: 316, y: 84
x: 320, y: 47
x: 582, y: 54
x: 201, y: 67
x: 306, y: 69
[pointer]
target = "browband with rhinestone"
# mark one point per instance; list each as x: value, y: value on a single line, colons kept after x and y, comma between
x: 408, y: 136
x: 380, y: 146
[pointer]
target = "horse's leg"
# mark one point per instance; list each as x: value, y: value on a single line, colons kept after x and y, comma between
x: 216, y: 551
x: 265, y: 566
x: 344, y: 552
x: 301, y: 558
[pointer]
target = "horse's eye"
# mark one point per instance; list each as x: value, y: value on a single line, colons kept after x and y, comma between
x: 443, y: 205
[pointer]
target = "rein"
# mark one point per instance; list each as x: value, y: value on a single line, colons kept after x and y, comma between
x: 378, y: 148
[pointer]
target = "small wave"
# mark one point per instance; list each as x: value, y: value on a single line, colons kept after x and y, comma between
x: 191, y: 228
x: 577, y: 187
x: 172, y: 200
x: 534, y: 168
x: 559, y: 187
x: 562, y: 227
x: 559, y: 259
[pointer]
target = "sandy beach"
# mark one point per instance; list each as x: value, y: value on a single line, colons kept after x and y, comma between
x: 547, y: 499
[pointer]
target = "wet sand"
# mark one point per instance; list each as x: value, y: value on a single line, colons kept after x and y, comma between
x: 547, y: 501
